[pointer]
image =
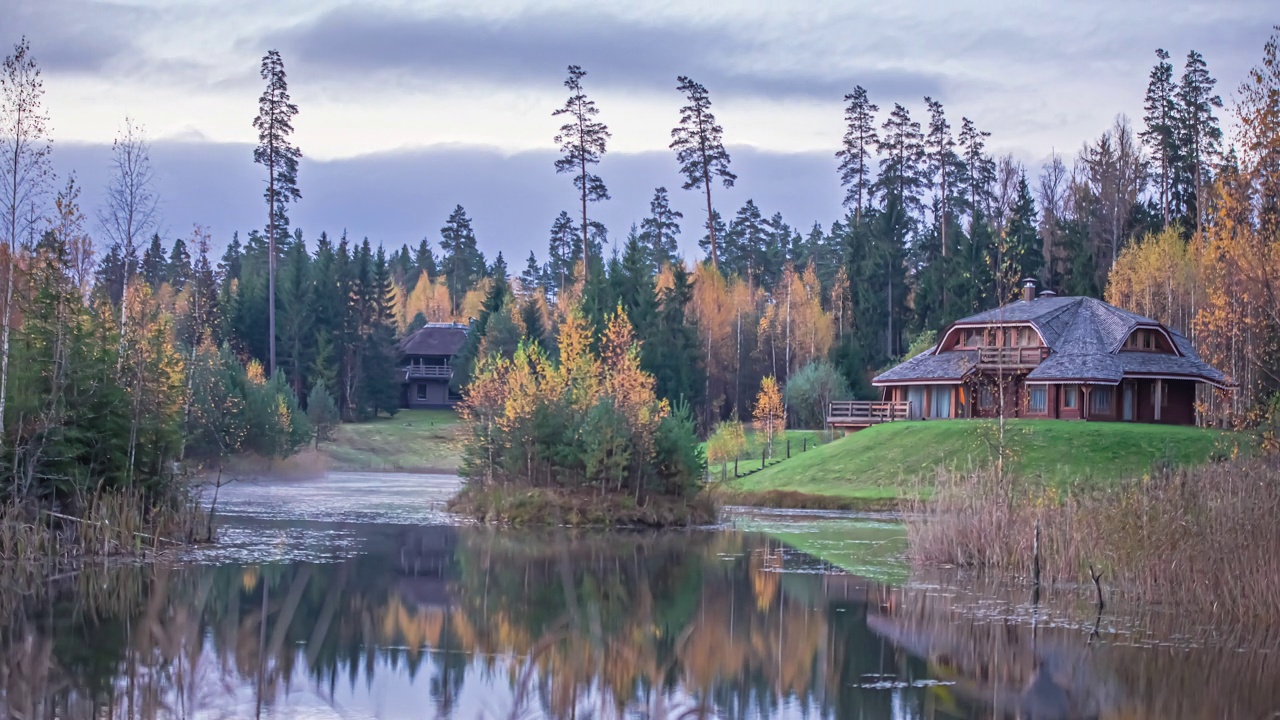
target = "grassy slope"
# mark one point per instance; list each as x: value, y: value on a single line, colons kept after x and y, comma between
x: 412, y: 441
x: 750, y: 457
x: 886, y: 460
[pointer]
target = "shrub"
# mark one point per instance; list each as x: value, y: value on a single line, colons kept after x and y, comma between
x: 811, y: 389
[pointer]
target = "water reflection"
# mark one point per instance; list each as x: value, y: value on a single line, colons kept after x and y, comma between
x: 466, y: 622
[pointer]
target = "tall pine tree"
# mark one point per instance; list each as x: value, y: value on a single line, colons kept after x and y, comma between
x: 583, y: 140
x: 699, y: 144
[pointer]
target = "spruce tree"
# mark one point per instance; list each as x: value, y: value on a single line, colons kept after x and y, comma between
x: 743, y: 242
x: 279, y: 156
x: 154, y: 263
x: 978, y: 170
x: 562, y: 252
x: 532, y: 276
x: 860, y: 140
x: 297, y: 326
x: 677, y: 366
x: 178, y: 269
x: 463, y: 265
x: 900, y: 183
x: 1022, y: 249
x: 699, y: 144
x: 378, y: 364
x: 582, y: 139
x: 660, y: 229
x: 424, y: 259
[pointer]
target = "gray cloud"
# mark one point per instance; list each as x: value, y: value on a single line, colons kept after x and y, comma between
x: 395, y: 198
x: 76, y: 36
x: 537, y: 46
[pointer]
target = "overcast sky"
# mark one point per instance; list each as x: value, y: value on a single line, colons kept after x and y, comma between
x: 410, y: 108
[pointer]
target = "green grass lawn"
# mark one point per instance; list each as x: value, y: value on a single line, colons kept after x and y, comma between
x: 899, y: 458
x: 412, y: 441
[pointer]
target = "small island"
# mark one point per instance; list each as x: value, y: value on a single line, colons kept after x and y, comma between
x: 580, y: 438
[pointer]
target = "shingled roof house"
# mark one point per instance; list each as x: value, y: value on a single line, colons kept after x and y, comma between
x: 425, y: 368
x: 1053, y: 357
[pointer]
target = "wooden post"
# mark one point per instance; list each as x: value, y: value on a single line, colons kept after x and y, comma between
x: 764, y: 453
x: 735, y: 468
x: 805, y: 448
x: 788, y: 448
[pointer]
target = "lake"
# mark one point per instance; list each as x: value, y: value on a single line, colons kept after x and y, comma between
x: 358, y: 596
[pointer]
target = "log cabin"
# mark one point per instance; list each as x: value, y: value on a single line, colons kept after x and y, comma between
x: 1045, y: 356
x: 426, y: 370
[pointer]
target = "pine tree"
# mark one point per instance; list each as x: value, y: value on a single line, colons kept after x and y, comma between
x: 178, y: 270
x: 463, y: 265
x: 978, y: 169
x: 659, y: 230
x: 716, y: 229
x: 155, y: 264
x: 229, y: 265
x: 899, y: 185
x: 582, y: 140
x: 1161, y: 117
x: 699, y: 145
x: 855, y: 157
x: 1198, y: 132
x: 322, y: 411
x: 274, y: 124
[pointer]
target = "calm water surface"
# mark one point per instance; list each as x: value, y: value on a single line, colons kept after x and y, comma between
x: 359, y: 597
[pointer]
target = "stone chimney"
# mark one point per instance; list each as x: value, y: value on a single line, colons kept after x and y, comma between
x: 1029, y: 289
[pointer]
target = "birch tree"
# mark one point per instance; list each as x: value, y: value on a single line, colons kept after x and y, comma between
x: 25, y: 174
x: 131, y: 205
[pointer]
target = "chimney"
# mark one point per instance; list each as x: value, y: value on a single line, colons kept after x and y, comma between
x: 1029, y: 289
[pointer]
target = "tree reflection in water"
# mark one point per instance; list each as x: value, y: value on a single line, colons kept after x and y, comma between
x: 469, y: 622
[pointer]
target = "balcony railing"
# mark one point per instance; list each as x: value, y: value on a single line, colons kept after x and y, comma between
x: 434, y: 372
x: 866, y: 412
x: 1012, y: 357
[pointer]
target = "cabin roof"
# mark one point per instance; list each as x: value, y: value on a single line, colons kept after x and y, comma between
x: 1084, y: 336
x: 435, y: 339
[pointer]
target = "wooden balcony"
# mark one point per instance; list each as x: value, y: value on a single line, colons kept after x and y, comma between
x: 1011, y: 358
x: 864, y: 413
x: 428, y: 372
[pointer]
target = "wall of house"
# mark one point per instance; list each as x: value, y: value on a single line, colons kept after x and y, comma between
x: 436, y: 392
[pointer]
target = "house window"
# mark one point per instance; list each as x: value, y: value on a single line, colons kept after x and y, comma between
x: 1069, y: 393
x: 1147, y: 339
x: 940, y: 407
x: 986, y: 397
x: 422, y: 391
x: 1101, y: 400
x: 1039, y: 399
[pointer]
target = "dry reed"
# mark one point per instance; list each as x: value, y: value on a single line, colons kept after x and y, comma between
x: 111, y: 524
x: 1204, y: 538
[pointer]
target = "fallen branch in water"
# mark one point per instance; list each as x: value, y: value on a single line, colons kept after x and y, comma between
x: 1097, y: 576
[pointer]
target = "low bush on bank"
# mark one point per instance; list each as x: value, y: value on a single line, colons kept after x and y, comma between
x: 1204, y: 538
x: 586, y: 425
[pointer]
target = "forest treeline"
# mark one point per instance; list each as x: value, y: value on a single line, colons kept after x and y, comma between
x: 126, y: 352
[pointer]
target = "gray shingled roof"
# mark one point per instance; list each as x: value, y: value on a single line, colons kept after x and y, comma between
x: 435, y: 340
x: 1084, y: 336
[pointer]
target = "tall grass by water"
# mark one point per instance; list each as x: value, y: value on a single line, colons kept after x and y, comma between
x: 1203, y: 538
x: 112, y: 524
